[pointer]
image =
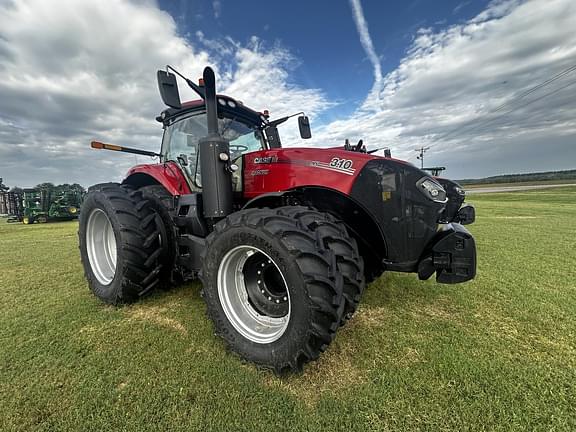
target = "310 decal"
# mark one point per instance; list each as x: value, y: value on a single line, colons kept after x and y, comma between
x: 341, y: 163
x: 343, y: 166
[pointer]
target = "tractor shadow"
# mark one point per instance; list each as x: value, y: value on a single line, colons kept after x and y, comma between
x: 385, y: 334
x: 382, y: 336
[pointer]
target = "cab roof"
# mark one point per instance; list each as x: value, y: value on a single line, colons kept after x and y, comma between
x: 227, y: 107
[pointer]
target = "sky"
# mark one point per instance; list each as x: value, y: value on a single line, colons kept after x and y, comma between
x: 488, y: 86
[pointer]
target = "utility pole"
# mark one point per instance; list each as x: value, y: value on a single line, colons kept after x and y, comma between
x: 422, y: 150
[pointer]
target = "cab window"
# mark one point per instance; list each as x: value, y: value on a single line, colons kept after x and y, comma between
x: 180, y: 141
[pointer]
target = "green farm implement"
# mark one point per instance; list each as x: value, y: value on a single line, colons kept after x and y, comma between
x: 43, y: 205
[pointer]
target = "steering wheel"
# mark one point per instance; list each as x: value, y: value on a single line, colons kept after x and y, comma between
x: 238, y: 148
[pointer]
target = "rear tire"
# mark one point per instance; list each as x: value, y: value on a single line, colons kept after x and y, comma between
x: 119, y: 235
x: 290, y: 245
x: 162, y: 202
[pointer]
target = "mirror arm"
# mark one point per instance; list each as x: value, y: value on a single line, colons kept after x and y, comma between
x: 190, y: 83
x: 283, y: 119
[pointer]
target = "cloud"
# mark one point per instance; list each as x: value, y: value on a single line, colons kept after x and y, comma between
x: 261, y: 76
x: 74, y: 71
x: 460, y: 6
x: 217, y: 6
x: 453, y: 78
x: 365, y: 39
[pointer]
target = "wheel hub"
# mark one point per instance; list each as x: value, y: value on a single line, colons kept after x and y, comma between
x: 101, y: 246
x: 265, y: 287
x: 253, y: 294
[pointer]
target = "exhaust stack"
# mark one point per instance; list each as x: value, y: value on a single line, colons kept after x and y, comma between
x: 216, y: 177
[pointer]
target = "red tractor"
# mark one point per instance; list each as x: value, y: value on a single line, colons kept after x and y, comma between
x: 284, y: 240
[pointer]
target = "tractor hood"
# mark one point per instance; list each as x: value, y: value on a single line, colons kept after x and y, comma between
x: 403, y: 200
x: 288, y: 168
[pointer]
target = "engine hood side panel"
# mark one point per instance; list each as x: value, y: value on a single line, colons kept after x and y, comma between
x: 288, y: 168
x: 385, y: 187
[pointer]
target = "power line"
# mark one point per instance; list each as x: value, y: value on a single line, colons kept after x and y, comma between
x: 537, y: 87
x: 487, y: 122
x: 522, y: 106
x: 510, y: 102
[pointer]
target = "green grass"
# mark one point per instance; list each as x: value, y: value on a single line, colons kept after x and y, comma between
x: 498, y: 353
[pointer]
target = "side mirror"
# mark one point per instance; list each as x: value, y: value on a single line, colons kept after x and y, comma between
x: 273, y: 137
x: 304, y: 126
x: 169, y: 89
x: 387, y: 153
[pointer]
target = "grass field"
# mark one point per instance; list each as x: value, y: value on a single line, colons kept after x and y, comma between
x: 498, y: 353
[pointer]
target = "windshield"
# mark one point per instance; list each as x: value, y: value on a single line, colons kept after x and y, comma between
x: 180, y: 142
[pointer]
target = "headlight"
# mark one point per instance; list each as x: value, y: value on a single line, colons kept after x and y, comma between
x: 432, y: 190
x: 459, y: 190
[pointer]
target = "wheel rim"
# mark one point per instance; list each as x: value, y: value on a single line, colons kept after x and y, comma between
x: 101, y: 246
x: 254, y: 294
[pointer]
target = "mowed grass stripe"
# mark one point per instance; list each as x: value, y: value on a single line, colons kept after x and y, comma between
x: 498, y: 353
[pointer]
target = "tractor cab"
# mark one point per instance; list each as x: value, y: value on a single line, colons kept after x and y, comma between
x: 186, y: 124
x: 184, y: 128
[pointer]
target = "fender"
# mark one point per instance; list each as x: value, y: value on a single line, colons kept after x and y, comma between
x: 372, y: 241
x: 167, y: 174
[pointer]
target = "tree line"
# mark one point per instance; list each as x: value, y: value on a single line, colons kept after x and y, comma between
x: 50, y: 187
x: 515, y: 178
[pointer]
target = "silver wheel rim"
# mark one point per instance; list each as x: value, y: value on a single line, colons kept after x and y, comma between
x: 235, y: 300
x: 101, y: 246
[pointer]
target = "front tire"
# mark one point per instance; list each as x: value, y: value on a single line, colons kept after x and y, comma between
x: 119, y: 240
x: 348, y: 260
x: 272, y: 285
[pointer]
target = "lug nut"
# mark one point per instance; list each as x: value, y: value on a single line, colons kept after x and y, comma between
x: 269, y: 298
x: 285, y: 298
x: 262, y: 291
x: 277, y: 301
x: 259, y: 281
x: 259, y: 272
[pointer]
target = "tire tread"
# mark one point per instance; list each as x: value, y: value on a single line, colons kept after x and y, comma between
x: 138, y: 244
x: 333, y: 280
